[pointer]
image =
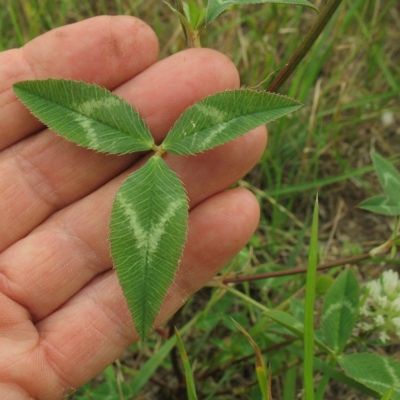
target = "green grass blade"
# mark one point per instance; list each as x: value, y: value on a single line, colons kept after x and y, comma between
x: 261, y: 371
x: 223, y: 117
x: 86, y: 114
x: 280, y: 317
x: 147, y: 233
x: 289, y: 384
x: 309, y: 309
x: 190, y: 385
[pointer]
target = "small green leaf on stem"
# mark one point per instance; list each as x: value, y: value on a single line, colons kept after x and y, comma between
x: 191, y: 33
x: 194, y: 13
x: 216, y: 7
x: 389, y: 177
x: 222, y: 117
x: 147, y: 233
x: 182, y: 17
x: 88, y: 115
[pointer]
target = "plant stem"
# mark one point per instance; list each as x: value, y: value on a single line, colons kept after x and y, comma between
x: 299, y: 270
x: 193, y: 38
x: 306, y: 44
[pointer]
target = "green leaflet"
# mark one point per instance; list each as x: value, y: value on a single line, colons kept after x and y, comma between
x: 374, y: 371
x: 216, y: 7
x: 223, y: 117
x: 86, y: 114
x: 340, y: 310
x: 382, y: 204
x: 147, y: 233
x: 388, y: 176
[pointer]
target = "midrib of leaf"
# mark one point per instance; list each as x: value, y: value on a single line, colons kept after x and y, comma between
x: 146, y: 270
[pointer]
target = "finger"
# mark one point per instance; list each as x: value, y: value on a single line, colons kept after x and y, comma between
x: 106, y: 50
x: 65, y: 253
x: 98, y: 317
x: 45, y: 172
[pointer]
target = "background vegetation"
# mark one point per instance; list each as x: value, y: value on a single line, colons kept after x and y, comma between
x: 350, y: 85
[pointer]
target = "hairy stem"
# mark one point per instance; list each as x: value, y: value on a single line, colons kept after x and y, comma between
x: 306, y: 44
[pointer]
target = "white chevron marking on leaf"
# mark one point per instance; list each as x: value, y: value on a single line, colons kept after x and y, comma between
x: 217, y: 116
x: 391, y: 372
x: 152, y: 237
x: 89, y: 131
x: 338, y: 306
x: 158, y: 229
x: 87, y: 107
x: 139, y: 233
x: 215, y: 131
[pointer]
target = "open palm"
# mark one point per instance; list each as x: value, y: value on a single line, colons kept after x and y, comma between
x: 63, y: 317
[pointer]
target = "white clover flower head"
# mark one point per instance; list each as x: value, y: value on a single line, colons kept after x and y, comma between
x: 380, y: 306
x: 390, y: 283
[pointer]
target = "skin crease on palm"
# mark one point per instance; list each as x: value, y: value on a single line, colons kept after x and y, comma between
x: 63, y: 318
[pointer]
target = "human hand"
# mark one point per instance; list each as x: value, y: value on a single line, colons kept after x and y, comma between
x: 63, y: 317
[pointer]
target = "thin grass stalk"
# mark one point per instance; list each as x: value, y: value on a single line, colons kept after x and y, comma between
x: 309, y: 309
